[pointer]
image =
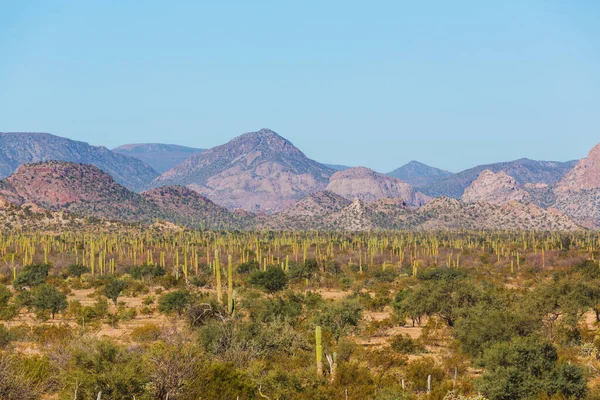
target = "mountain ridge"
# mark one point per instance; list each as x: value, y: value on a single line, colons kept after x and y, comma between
x: 18, y: 148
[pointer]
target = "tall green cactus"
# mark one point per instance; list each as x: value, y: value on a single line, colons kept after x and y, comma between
x: 229, y: 285
x: 319, y: 351
x: 218, y: 273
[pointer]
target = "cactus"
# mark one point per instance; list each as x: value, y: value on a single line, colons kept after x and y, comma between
x: 229, y: 285
x: 319, y: 351
x: 218, y: 277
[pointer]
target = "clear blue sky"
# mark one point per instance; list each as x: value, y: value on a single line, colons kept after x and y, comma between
x: 379, y: 83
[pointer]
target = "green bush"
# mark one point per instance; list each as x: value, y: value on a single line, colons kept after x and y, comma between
x: 272, y: 280
x: 176, y: 301
x: 77, y: 270
x: 32, y: 275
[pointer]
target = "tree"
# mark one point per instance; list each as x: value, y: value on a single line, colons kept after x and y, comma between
x: 113, y: 289
x: 32, y: 275
x: 272, y: 280
x: 48, y: 298
x: 341, y: 318
x: 178, y: 301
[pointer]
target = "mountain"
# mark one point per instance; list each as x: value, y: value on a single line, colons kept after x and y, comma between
x: 495, y: 189
x: 418, y: 174
x: 161, y: 157
x: 368, y: 186
x: 578, y: 193
x: 22, y: 148
x: 524, y: 171
x: 85, y: 190
x: 257, y: 171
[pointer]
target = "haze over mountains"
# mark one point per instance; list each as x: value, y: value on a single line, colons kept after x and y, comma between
x: 262, y: 172
x: 418, y: 174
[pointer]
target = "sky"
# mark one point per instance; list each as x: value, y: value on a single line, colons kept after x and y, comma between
x: 452, y: 84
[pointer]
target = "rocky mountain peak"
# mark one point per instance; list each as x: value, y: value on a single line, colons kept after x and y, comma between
x: 256, y: 171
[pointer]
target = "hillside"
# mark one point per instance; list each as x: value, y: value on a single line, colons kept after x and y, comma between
x: 159, y: 156
x: 308, y: 213
x: 79, y: 189
x: 523, y: 171
x: 368, y: 186
x: 184, y: 206
x: 17, y: 148
x: 87, y: 191
x: 257, y: 171
x: 445, y: 213
x: 418, y: 174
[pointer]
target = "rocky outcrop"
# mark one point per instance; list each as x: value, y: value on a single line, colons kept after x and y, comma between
x: 494, y: 188
x: 368, y: 186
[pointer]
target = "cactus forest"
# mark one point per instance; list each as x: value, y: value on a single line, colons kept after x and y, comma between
x: 185, y: 314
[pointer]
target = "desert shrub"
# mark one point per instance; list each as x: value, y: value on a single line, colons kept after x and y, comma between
x: 526, y: 367
x: 47, y: 334
x: 145, y: 271
x: 247, y: 267
x: 114, y: 288
x: 76, y: 270
x: 341, y: 318
x: 5, y: 296
x: 118, y: 372
x: 204, y: 309
x: 384, y: 275
x: 261, y: 309
x: 305, y: 270
x: 176, y: 301
x: 5, y: 337
x: 418, y: 371
x: 272, y: 280
x: 146, y: 333
x: 404, y: 344
x: 48, y: 298
x: 15, y: 381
